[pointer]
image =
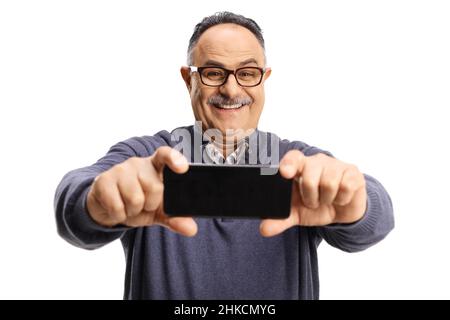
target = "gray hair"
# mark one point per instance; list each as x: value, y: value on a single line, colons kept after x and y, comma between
x: 220, y: 18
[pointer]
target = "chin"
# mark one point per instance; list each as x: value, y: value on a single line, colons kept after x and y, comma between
x: 230, y: 126
x: 236, y: 130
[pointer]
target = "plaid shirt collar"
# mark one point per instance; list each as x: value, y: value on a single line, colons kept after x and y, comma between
x: 214, y: 155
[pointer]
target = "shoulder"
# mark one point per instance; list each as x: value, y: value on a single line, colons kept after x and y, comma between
x: 145, y: 146
x: 286, y: 145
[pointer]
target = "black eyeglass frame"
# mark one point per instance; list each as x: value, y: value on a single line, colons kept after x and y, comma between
x: 199, y: 70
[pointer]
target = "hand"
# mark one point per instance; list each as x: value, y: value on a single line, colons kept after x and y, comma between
x: 131, y: 193
x: 325, y: 191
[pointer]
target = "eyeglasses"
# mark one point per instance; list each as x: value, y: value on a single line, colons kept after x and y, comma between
x: 218, y: 76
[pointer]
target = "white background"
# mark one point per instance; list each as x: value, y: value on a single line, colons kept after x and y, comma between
x: 367, y: 80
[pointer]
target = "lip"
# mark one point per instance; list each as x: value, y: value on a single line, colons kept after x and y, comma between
x: 222, y: 110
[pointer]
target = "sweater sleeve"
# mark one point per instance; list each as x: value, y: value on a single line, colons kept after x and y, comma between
x: 73, y: 221
x: 376, y: 223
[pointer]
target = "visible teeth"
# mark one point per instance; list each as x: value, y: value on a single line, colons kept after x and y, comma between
x: 233, y: 106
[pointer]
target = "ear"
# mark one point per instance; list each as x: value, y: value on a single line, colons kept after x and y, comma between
x: 186, y: 75
x: 267, y: 73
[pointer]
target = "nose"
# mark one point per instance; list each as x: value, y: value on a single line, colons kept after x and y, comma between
x: 230, y: 88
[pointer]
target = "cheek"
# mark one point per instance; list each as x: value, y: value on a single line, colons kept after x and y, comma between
x: 199, y: 94
x: 199, y: 98
x: 195, y: 92
x: 258, y: 98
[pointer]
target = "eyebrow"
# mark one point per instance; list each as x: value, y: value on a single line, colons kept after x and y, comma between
x: 248, y: 61
x: 219, y: 64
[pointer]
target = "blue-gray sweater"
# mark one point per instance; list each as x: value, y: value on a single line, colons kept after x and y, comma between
x: 227, y: 259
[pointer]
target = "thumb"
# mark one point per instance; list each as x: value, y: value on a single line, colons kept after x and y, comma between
x: 292, y: 164
x: 183, y: 225
x: 273, y: 227
x: 170, y: 157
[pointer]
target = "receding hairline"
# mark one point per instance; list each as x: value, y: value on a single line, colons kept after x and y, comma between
x: 224, y: 17
x: 227, y: 25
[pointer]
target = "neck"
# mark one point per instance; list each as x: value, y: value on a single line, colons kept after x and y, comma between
x: 227, y: 144
x: 228, y: 147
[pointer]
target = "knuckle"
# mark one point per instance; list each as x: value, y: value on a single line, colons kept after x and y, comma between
x: 328, y: 185
x: 119, y: 169
x: 134, y: 161
x: 353, y: 169
x: 100, y: 185
x: 136, y: 200
x: 157, y: 187
x: 161, y: 150
x: 340, y: 201
x: 124, y: 168
x: 101, y: 179
x: 308, y: 185
x: 145, y: 179
x: 347, y: 186
x: 151, y: 206
x: 118, y: 218
x: 117, y: 208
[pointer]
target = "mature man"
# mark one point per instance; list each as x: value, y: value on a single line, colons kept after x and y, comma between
x: 121, y: 195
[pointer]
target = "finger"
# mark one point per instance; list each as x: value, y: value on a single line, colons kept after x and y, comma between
x: 352, y: 180
x: 151, y: 185
x: 292, y: 164
x: 132, y: 195
x: 170, y: 157
x: 309, y: 183
x: 354, y: 210
x: 185, y: 226
x: 153, y: 195
x: 107, y: 194
x: 329, y: 183
x: 144, y: 218
x: 273, y: 227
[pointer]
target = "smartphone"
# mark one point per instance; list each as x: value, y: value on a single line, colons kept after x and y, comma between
x: 232, y: 191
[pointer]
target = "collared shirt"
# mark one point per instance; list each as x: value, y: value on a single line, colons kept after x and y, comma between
x: 214, y: 155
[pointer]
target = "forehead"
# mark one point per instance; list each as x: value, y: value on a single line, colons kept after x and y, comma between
x: 229, y: 44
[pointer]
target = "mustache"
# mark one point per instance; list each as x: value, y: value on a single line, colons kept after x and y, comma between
x: 220, y: 100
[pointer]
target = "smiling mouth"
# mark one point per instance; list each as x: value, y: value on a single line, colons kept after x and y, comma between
x: 229, y: 106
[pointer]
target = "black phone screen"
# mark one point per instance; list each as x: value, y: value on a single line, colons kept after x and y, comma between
x: 238, y: 191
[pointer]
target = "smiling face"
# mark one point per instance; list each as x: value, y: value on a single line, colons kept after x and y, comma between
x: 230, y: 106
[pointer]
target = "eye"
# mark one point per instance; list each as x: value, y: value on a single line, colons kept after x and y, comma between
x: 247, y: 74
x: 213, y: 73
